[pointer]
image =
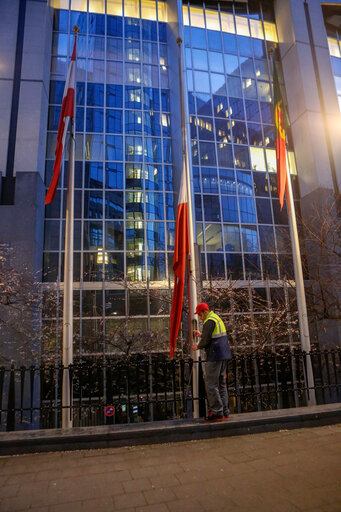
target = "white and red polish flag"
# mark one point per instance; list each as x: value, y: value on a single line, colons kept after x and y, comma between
x: 67, y: 112
x: 181, y: 251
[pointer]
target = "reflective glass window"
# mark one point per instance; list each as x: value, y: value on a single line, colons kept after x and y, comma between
x: 215, y: 265
x: 244, y: 44
x: 234, y: 86
x: 154, y: 206
x: 93, y: 205
x: 223, y: 131
x: 155, y: 236
x: 133, y: 121
x: 227, y: 181
x: 114, y: 121
x: 136, y: 267
x: 261, y: 185
x: 239, y: 132
x: 236, y: 108
x: 201, y: 80
x: 252, y: 111
x: 247, y: 209
x: 156, y: 266
x: 269, y: 136
x: 230, y: 43
x: 255, y: 134
x: 250, y: 239
x: 114, y: 26
x: 200, y: 59
x: 198, y: 38
x: 214, y: 40
x: 270, y: 266
x: 264, y: 211
x: 149, y: 30
x: 244, y: 183
x: 95, y: 95
x: 266, y: 110
x: 196, y: 179
x: 113, y: 175
x: 151, y: 122
x: 241, y: 157
x: 267, y: 239
x: 205, y: 128
x: 204, y: 105
x: 207, y: 153
x: 230, y: 209
x: 220, y: 106
x: 249, y: 88
x: 114, y: 49
x: 94, y: 120
x: 114, y: 147
x: 135, y: 236
x: 213, y: 237
x: 232, y: 238
x: 114, y: 96
x: 216, y: 62
x: 225, y: 157
x: 246, y: 67
x: 114, y: 72
x: 132, y: 28
x: 94, y: 147
x: 151, y: 99
x: 114, y: 235
x: 114, y: 205
x: 60, y: 20
x: 218, y: 84
x: 231, y: 64
x: 280, y: 216
x: 165, y: 101
x: 198, y: 207
x: 152, y: 151
x: 252, y: 266
x: 209, y: 180
x: 93, y: 176
x: 234, y: 266
x: 132, y: 51
x: 264, y: 91
x: 134, y: 176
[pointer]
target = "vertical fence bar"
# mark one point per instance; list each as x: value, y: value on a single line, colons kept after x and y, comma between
x: 11, y: 401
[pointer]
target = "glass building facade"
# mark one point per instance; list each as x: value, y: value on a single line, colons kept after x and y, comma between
x: 125, y: 192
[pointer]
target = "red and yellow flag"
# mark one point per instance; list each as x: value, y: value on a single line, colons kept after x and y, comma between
x: 280, y: 116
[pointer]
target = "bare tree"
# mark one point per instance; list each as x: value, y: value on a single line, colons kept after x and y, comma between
x: 20, y: 309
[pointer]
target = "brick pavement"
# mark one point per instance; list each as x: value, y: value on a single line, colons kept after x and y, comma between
x: 285, y: 471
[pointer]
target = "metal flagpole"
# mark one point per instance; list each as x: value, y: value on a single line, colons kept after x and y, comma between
x: 301, y: 302
x: 192, y: 284
x: 68, y: 279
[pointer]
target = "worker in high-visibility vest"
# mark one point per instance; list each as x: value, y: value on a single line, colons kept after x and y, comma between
x: 214, y: 341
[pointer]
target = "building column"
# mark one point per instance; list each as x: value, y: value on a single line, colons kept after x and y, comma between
x: 312, y: 104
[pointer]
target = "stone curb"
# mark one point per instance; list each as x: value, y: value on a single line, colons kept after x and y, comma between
x: 84, y: 438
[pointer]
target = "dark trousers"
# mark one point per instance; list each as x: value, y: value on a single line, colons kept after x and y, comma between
x: 215, y: 384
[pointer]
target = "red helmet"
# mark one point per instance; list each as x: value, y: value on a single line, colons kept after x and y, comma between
x: 201, y: 307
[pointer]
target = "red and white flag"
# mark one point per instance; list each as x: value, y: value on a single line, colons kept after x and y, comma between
x: 181, y: 250
x: 66, y: 113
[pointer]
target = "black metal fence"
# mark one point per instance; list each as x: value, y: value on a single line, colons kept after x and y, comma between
x: 154, y: 388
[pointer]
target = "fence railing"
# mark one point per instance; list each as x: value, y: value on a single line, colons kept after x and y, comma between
x: 154, y: 388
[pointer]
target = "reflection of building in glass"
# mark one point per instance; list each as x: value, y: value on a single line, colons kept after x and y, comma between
x: 127, y: 145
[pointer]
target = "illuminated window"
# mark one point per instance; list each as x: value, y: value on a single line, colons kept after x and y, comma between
x: 212, y: 20
x: 60, y: 4
x: 114, y: 7
x: 292, y: 162
x: 334, y: 49
x: 271, y: 160
x: 242, y: 26
x: 79, y: 5
x: 132, y: 8
x: 148, y: 9
x: 256, y: 29
x: 197, y: 17
x: 162, y: 11
x: 257, y: 159
x: 97, y: 6
x: 227, y: 23
x: 270, y: 32
x: 185, y: 15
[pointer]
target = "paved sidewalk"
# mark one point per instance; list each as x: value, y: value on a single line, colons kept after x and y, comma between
x: 285, y: 471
